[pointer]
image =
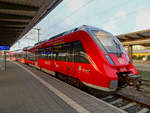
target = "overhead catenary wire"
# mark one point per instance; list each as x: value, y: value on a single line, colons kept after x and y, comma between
x: 103, y: 12
x: 78, y: 9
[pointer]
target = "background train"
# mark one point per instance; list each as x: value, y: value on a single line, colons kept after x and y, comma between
x: 84, y: 55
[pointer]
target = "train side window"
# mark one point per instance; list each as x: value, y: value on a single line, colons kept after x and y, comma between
x: 80, y: 53
x: 50, y: 53
x: 70, y: 57
x: 55, y: 52
x: 47, y: 53
x: 39, y: 54
x: 62, y: 53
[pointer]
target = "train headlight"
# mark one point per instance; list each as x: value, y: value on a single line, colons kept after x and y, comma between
x: 128, y: 58
x: 113, y: 84
x: 109, y: 59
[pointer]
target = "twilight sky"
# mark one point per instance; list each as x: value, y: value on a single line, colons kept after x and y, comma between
x: 115, y: 16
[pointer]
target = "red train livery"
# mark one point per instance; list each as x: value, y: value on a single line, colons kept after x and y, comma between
x: 86, y: 54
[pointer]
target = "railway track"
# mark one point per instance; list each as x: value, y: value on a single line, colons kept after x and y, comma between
x: 129, y: 103
x: 124, y: 101
x: 145, y: 82
x: 126, y: 104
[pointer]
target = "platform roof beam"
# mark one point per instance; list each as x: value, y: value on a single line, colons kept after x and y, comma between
x: 135, y: 38
x: 17, y: 17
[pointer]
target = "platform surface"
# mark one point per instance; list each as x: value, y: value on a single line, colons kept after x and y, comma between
x: 142, y: 66
x: 21, y: 92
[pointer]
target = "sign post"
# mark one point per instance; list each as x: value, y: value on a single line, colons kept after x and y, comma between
x: 3, y: 57
x: 2, y: 60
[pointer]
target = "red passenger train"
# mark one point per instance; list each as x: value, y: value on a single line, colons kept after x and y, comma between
x: 86, y: 55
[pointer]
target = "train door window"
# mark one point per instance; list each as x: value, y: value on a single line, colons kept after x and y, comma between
x: 69, y: 47
x: 55, y: 52
x: 44, y: 53
x: 39, y: 54
x: 36, y: 54
x: 47, y: 53
x: 52, y: 54
x: 32, y: 56
x: 63, y: 52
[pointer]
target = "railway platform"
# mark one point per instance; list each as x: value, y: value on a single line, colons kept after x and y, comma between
x: 142, y: 66
x: 24, y: 89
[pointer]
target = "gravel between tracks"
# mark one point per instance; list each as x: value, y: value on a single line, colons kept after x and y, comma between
x: 142, y: 96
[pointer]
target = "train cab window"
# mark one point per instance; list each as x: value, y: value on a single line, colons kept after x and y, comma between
x: 107, y: 41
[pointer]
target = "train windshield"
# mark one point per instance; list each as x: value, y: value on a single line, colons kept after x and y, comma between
x: 109, y: 42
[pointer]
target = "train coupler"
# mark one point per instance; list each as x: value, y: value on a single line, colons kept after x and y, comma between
x: 134, y: 80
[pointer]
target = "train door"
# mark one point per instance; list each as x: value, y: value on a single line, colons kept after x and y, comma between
x: 70, y: 60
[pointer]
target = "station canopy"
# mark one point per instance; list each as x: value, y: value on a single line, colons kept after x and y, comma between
x: 17, y: 17
x: 135, y: 38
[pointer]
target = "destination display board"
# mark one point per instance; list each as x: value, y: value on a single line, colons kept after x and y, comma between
x: 2, y: 60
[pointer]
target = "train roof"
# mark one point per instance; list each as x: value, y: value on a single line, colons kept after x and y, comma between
x: 27, y: 48
x: 16, y: 51
x: 83, y: 27
x: 38, y: 43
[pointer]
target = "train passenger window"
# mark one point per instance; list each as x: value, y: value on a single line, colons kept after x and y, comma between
x: 31, y: 56
x: 56, y: 50
x: 62, y: 53
x: 80, y: 53
x: 49, y: 53
x: 70, y: 56
x: 70, y: 52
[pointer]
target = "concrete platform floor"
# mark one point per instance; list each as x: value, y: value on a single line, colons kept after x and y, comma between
x: 24, y: 89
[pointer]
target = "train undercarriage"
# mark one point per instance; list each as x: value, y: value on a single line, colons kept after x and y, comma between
x: 128, y: 79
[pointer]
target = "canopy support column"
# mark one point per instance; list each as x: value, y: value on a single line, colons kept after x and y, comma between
x: 130, y: 50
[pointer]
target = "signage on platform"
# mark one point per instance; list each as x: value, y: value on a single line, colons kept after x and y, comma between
x: 4, y: 47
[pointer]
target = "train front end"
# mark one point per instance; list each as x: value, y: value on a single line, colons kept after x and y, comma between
x: 117, y: 65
